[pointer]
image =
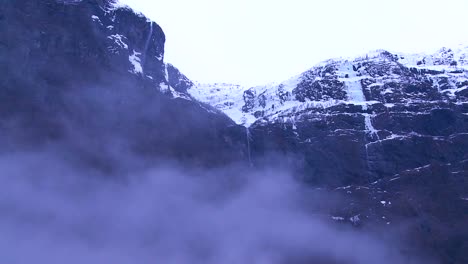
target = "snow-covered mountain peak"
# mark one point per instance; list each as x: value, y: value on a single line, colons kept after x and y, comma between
x: 440, y: 60
x: 379, y: 77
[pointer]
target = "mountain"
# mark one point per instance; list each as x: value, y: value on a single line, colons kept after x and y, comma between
x: 95, y: 69
x: 369, y: 117
x: 87, y: 80
x: 387, y: 131
x: 365, y: 80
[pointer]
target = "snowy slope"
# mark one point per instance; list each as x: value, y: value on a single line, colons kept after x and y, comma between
x: 363, y: 81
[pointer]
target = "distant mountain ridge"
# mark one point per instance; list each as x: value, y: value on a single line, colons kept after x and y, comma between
x: 362, y: 80
x: 370, y: 101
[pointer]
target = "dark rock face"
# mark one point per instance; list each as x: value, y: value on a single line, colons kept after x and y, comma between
x: 249, y: 99
x: 177, y: 80
x: 323, y: 89
x: 426, y: 199
x: 84, y: 72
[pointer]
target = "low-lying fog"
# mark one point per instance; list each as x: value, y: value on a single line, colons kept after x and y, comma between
x: 53, y: 211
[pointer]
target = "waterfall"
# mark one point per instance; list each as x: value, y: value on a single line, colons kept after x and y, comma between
x: 248, y: 137
x: 148, y: 40
x: 368, y: 163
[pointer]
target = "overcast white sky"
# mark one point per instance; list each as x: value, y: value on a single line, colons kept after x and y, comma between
x: 259, y: 41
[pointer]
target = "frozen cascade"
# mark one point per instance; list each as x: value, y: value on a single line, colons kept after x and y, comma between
x: 352, y: 82
x: 349, y: 75
x: 369, y: 127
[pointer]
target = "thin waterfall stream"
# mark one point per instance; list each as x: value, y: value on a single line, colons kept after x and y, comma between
x: 148, y: 40
x: 248, y: 137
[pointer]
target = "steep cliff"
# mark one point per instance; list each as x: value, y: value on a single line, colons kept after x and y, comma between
x: 93, y: 72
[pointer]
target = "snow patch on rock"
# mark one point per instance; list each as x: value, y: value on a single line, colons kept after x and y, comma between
x: 136, y: 62
x: 118, y: 39
x: 96, y: 18
x: 337, y: 218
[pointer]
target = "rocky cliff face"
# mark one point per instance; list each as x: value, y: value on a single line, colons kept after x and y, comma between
x: 361, y: 119
x: 370, y: 79
x: 95, y: 69
x: 387, y: 131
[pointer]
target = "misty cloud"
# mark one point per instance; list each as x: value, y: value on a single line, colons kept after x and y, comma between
x: 55, y: 212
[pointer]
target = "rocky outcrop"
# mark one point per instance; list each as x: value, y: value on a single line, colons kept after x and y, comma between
x: 177, y: 80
